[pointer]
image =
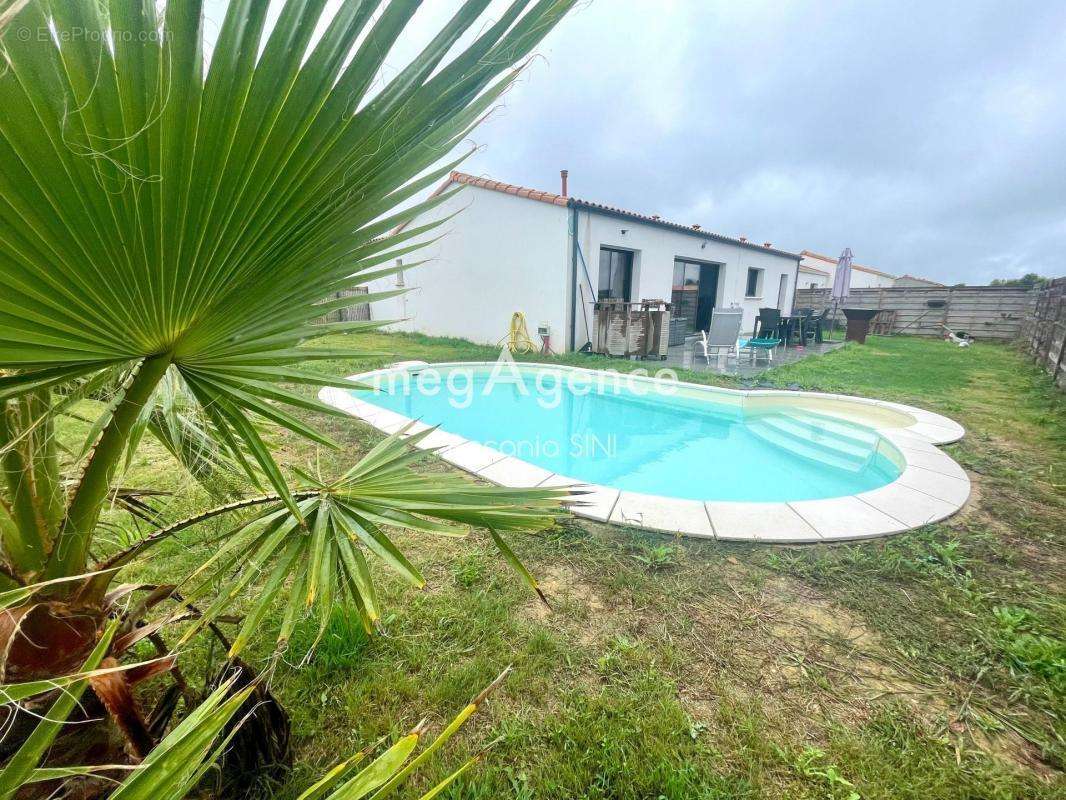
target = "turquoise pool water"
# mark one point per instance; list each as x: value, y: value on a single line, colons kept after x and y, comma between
x: 694, y: 448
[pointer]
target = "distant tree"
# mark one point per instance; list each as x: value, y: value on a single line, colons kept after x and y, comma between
x: 1028, y: 281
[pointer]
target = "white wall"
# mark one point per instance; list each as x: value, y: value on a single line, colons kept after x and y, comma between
x: 819, y: 279
x: 654, y: 251
x: 501, y: 254
x: 868, y: 280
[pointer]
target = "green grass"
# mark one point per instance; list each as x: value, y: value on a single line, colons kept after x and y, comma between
x: 927, y: 665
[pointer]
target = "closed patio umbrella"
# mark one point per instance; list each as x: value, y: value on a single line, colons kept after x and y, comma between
x: 841, y: 282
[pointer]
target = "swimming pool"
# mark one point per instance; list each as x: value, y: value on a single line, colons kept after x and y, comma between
x: 769, y: 465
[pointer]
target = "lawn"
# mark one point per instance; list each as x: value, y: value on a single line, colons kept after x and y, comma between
x: 928, y: 665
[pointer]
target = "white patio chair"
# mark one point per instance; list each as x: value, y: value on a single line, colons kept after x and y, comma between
x: 723, y: 334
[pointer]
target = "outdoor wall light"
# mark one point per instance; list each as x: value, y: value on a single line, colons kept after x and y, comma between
x: 624, y: 231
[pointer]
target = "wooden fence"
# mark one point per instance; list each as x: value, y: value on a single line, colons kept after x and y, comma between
x: 984, y: 312
x: 1045, y: 330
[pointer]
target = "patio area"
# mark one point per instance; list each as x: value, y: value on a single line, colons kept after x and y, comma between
x: 690, y: 356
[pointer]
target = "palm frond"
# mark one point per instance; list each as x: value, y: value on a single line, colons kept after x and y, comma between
x: 157, y: 215
x: 348, y: 524
x: 8, y: 10
x: 181, y: 760
x: 175, y: 419
x: 173, y: 768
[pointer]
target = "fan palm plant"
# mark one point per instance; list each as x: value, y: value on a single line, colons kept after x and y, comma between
x: 168, y: 221
x: 183, y: 758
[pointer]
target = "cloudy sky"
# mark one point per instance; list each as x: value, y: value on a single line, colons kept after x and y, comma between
x: 930, y: 137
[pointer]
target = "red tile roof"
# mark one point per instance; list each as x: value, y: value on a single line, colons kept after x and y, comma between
x: 696, y: 230
x: 507, y: 188
x: 561, y: 200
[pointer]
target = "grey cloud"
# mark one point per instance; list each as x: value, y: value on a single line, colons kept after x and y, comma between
x: 928, y: 137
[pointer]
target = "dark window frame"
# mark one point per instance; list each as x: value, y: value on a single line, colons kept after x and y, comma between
x: 758, y: 275
x: 618, y: 259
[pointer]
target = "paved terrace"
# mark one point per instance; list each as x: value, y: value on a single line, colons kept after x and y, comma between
x: 690, y: 356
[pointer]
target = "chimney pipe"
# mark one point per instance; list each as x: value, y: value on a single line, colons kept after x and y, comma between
x: 564, y: 174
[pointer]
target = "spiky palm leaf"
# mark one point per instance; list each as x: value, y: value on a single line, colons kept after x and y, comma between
x: 171, y: 415
x: 157, y: 217
x: 324, y: 562
x: 174, y: 418
x: 154, y: 215
x: 184, y: 756
x: 169, y: 772
x: 8, y: 10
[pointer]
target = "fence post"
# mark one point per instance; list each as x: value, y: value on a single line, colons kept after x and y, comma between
x: 1059, y: 323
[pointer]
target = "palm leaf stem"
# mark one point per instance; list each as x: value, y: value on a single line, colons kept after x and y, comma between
x: 72, y: 546
x: 125, y: 556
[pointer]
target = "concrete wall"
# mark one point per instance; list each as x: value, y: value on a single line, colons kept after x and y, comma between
x: 501, y: 254
x: 654, y: 250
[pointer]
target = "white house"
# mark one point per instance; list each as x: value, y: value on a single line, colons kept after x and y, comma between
x: 551, y: 256
x: 862, y: 277
x: 812, y: 276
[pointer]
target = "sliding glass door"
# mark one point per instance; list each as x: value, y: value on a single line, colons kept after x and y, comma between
x: 695, y: 288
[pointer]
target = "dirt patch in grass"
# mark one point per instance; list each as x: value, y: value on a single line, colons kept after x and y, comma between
x: 812, y: 663
x: 577, y: 608
x: 564, y: 586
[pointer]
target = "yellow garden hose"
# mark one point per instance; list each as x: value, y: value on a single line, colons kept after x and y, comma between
x: 517, y: 337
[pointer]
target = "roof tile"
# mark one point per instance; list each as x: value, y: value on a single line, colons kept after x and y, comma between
x: 562, y: 200
x: 507, y: 188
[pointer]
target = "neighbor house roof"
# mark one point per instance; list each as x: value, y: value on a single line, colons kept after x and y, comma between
x: 815, y: 270
x: 920, y: 280
x: 573, y: 202
x: 859, y: 267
